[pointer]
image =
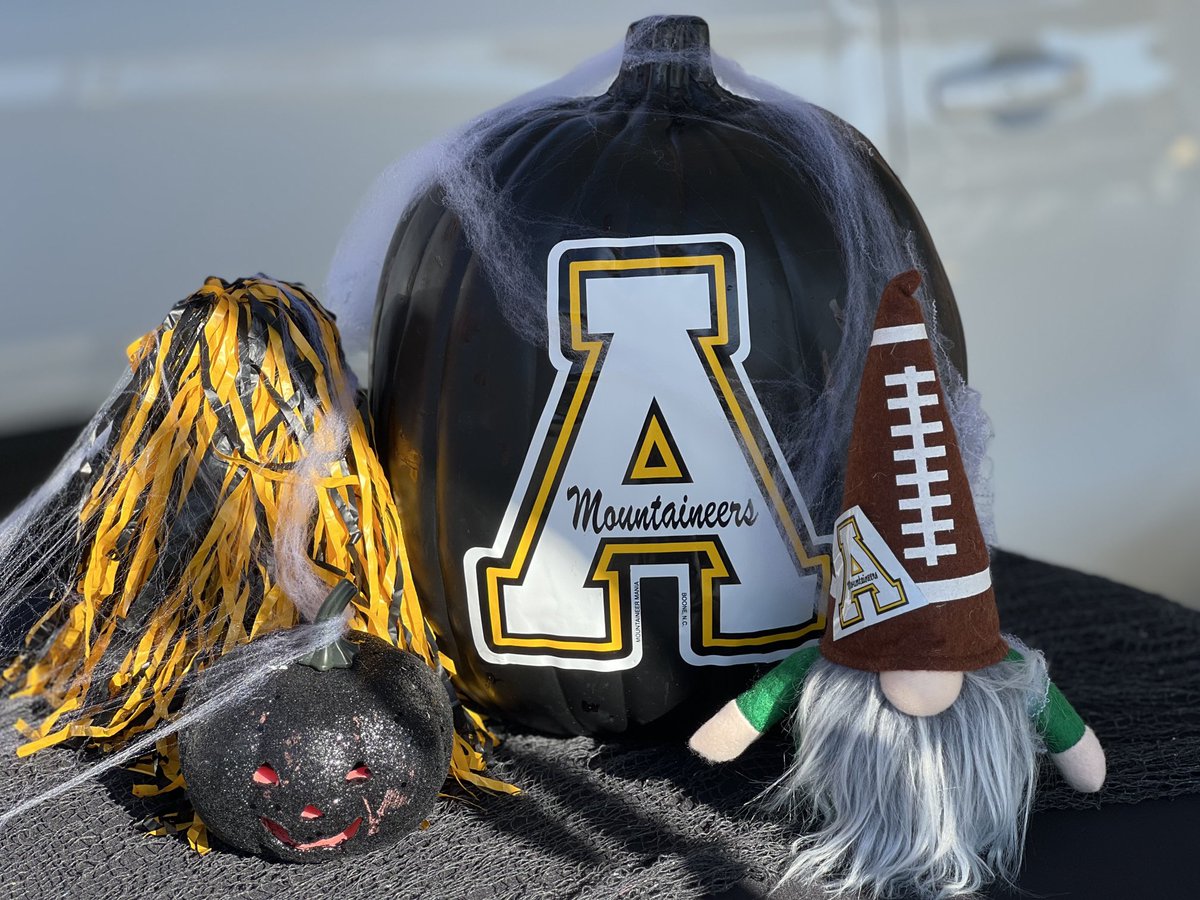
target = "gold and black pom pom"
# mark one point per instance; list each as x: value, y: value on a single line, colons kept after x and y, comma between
x: 178, y: 510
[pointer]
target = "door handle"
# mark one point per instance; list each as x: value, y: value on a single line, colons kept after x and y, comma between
x: 1014, y: 86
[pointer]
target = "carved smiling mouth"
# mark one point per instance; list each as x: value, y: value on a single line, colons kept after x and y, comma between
x: 280, y: 834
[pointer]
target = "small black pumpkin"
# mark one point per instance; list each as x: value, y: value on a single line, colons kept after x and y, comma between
x: 340, y: 752
x: 665, y: 163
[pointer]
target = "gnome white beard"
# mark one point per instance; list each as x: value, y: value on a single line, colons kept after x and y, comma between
x: 936, y: 805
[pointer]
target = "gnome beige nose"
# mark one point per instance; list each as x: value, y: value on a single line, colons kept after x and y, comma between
x: 921, y: 693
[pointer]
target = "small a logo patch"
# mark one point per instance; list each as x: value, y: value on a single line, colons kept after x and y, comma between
x: 869, y: 584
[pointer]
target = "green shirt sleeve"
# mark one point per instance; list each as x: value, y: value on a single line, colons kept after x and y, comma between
x: 1058, y: 723
x: 774, y: 694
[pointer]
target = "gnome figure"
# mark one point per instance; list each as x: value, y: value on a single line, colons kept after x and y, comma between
x: 917, y: 724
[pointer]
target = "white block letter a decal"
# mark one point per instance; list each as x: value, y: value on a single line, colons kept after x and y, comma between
x: 654, y: 512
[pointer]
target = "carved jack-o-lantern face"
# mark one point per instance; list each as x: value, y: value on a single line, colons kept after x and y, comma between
x: 317, y: 763
x: 265, y: 775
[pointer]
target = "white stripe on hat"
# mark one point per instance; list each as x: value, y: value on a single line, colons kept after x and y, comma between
x: 956, y: 588
x: 898, y: 334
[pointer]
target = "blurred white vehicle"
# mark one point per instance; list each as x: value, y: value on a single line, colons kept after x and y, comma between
x: 1052, y: 147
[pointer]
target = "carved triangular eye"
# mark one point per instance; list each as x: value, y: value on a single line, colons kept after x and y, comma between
x: 264, y: 774
x: 358, y: 773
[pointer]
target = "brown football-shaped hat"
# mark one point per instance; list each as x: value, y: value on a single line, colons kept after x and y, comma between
x: 905, y: 478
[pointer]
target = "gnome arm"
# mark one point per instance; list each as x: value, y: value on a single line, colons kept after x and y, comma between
x: 742, y: 721
x: 1073, y: 746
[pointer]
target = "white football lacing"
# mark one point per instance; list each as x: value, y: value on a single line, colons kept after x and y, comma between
x: 926, y: 502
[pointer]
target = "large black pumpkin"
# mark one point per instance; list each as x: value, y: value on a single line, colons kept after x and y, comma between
x: 338, y: 753
x: 474, y: 419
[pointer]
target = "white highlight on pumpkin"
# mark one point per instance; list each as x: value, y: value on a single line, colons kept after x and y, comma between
x: 926, y: 503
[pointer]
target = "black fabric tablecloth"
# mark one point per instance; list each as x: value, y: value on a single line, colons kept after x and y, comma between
x: 629, y: 820
x: 605, y: 820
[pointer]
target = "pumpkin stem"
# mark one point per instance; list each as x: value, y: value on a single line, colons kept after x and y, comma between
x: 664, y: 55
x: 339, y: 654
